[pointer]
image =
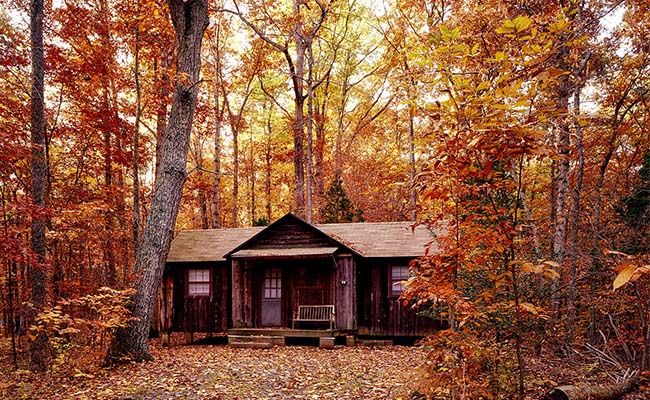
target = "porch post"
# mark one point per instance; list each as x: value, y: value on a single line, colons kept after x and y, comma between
x: 237, y: 294
x: 346, y: 292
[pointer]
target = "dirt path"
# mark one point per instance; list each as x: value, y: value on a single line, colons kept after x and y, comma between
x: 222, y: 372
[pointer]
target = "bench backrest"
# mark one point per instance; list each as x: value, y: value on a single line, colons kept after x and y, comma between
x: 316, y: 312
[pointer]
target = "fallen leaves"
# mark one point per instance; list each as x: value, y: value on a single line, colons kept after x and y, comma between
x: 225, y: 373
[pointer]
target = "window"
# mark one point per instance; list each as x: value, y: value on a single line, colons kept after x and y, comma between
x: 272, y: 283
x: 198, y: 282
x: 398, y: 274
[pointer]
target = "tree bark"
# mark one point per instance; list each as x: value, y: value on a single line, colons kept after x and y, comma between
x: 268, y: 157
x: 558, y: 249
x: 136, y: 139
x: 161, y: 111
x: 190, y: 19
x: 607, y: 392
x: 575, y: 217
x: 309, y: 211
x: 36, y: 269
x: 413, y: 197
x: 218, y: 116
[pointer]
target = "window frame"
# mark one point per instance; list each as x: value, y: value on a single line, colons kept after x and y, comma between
x: 189, y: 283
x: 395, y: 290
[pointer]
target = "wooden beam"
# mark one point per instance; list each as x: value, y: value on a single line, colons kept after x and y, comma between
x: 237, y: 295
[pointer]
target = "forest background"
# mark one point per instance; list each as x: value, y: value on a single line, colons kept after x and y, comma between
x: 522, y: 127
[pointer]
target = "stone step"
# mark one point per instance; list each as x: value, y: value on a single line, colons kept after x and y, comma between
x: 252, y: 345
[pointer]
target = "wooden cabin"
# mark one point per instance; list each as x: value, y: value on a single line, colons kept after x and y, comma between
x: 257, y: 278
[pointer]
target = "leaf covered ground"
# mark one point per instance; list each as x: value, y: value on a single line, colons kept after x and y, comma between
x: 223, y: 372
x: 219, y: 372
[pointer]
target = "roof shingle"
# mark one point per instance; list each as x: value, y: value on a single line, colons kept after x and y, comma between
x: 370, y: 239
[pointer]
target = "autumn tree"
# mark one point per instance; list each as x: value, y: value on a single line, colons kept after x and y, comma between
x: 486, y: 132
x: 338, y: 207
x: 298, y: 28
x: 190, y: 19
x: 37, y: 267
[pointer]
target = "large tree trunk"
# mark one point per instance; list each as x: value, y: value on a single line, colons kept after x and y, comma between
x: 190, y: 19
x: 36, y: 271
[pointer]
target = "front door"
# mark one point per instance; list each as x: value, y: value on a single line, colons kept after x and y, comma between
x: 272, y: 297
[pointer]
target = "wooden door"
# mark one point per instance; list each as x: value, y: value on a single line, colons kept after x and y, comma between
x: 272, y: 297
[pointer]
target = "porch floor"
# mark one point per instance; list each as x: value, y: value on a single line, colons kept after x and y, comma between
x: 287, y: 332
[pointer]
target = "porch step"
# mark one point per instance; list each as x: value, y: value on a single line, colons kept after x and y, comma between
x: 264, y: 339
x: 251, y: 338
x: 374, y: 342
x: 252, y: 345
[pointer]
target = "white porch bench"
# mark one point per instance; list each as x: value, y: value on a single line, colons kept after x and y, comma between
x: 315, y: 313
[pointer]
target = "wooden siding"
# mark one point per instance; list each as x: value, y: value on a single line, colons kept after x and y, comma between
x: 379, y: 314
x: 290, y: 234
x: 209, y: 314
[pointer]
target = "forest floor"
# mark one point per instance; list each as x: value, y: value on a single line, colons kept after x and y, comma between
x: 219, y: 372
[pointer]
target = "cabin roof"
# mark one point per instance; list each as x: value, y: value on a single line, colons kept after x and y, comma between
x: 368, y: 239
x: 208, y: 244
x: 382, y: 239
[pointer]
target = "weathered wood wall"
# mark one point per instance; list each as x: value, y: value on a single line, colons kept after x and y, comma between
x: 346, y: 289
x: 208, y: 314
x: 379, y: 313
x: 291, y: 234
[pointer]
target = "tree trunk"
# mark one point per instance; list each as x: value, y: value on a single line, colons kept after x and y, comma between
x: 413, y: 195
x: 320, y: 107
x: 161, y: 112
x: 562, y: 187
x: 235, y: 177
x: 36, y: 269
x: 310, y: 132
x: 202, y: 195
x: 136, y: 141
x: 297, y: 77
x: 298, y: 129
x: 108, y: 124
x: 218, y: 116
x: 575, y: 217
x: 268, y: 161
x: 190, y: 19
x: 251, y: 177
x: 608, y: 392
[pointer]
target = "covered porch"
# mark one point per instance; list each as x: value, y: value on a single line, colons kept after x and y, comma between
x: 268, y: 337
x: 268, y: 288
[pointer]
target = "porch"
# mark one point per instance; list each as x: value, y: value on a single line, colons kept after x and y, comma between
x: 269, y: 337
